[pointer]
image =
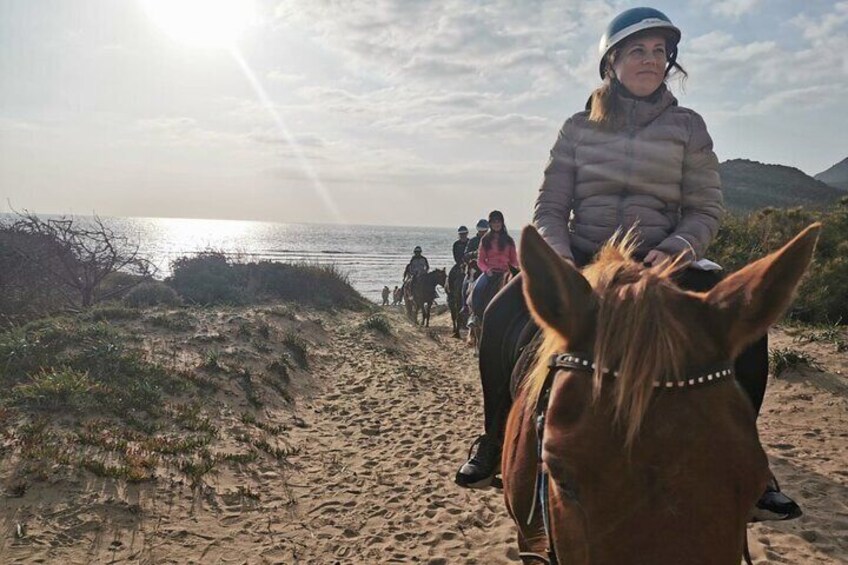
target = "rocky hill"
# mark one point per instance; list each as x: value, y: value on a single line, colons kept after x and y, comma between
x: 836, y: 176
x: 750, y: 185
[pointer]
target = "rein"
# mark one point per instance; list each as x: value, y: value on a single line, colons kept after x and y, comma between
x: 584, y: 362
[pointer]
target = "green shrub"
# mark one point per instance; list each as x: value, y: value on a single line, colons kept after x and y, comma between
x: 213, y: 278
x: 208, y: 278
x: 152, y: 293
x: 47, y: 360
x: 53, y: 389
x: 324, y: 286
x: 377, y: 322
x: 782, y: 359
x: 177, y: 321
x: 103, y: 312
x: 821, y: 295
x: 298, y: 348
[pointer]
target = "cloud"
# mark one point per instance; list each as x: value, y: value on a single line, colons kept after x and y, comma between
x: 783, y: 102
x: 825, y: 28
x: 448, y: 38
x: 505, y: 128
x: 181, y: 131
x: 733, y: 8
x: 438, y: 67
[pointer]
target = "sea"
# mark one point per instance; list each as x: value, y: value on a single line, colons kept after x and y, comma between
x: 371, y: 256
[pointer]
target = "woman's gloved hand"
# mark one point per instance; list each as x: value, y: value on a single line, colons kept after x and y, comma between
x: 654, y: 257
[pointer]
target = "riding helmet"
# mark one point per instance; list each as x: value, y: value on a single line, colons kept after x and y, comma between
x: 632, y: 21
x: 417, y: 249
x: 462, y: 230
x: 483, y: 225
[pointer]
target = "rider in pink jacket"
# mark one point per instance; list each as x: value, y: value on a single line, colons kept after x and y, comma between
x: 496, y: 254
x: 495, y: 260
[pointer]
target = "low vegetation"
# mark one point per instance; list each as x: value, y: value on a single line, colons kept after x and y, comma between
x: 53, y: 263
x: 783, y: 359
x: 152, y: 293
x: 82, y: 392
x: 821, y: 297
x: 378, y: 323
x: 215, y: 278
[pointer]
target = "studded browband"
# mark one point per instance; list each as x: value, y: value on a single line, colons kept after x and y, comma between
x: 585, y: 362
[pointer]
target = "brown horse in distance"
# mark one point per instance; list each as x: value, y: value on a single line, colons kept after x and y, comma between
x: 645, y: 463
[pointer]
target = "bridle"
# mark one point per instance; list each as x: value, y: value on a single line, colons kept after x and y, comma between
x: 584, y: 362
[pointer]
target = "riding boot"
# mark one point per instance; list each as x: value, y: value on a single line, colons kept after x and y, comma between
x: 504, y: 314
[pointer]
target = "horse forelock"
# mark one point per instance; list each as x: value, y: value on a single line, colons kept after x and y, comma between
x: 640, y: 336
x: 638, y: 333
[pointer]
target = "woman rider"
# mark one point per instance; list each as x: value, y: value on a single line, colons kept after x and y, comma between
x: 632, y: 159
x: 495, y: 255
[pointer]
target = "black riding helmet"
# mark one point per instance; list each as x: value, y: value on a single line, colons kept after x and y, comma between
x: 633, y: 21
x: 417, y: 249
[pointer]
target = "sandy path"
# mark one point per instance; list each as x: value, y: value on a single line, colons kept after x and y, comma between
x: 392, y: 427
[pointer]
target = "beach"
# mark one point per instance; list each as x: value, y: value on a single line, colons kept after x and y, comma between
x: 367, y: 439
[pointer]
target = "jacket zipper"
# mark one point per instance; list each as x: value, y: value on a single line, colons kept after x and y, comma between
x: 631, y: 134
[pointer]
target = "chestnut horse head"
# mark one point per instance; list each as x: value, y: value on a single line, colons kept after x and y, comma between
x: 650, y: 455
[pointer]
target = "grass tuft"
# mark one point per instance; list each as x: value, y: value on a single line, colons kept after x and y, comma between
x: 377, y: 322
x: 297, y: 346
x: 783, y: 359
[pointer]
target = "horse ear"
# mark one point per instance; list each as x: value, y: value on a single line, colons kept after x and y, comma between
x: 753, y: 298
x: 558, y: 296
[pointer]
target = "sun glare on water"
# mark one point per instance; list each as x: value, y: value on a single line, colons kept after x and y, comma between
x: 202, y: 23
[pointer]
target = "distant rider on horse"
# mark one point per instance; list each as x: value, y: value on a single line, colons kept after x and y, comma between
x: 418, y: 265
x: 471, y: 255
x: 474, y: 242
x: 460, y: 244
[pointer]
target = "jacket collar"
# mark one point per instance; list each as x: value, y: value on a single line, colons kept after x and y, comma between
x: 639, y: 112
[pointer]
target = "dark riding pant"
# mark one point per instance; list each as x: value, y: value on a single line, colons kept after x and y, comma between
x: 508, y: 328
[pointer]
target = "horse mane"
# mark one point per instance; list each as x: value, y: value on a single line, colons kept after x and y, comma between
x: 638, y: 334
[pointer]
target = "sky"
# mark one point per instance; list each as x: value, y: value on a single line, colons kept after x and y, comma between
x: 385, y: 112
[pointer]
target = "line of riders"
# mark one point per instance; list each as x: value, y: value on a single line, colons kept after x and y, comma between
x: 480, y: 259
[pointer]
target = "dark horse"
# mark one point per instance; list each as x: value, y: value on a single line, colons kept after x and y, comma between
x: 456, y: 277
x: 420, y: 292
x: 496, y: 282
x: 649, y: 450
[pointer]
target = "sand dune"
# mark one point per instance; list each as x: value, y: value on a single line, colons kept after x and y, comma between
x: 377, y: 429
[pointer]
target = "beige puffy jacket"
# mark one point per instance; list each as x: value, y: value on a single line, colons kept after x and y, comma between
x: 658, y: 173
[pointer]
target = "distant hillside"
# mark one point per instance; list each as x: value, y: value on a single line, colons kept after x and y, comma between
x: 836, y: 176
x: 750, y: 185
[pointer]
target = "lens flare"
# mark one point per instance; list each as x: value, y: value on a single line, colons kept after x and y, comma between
x: 202, y: 23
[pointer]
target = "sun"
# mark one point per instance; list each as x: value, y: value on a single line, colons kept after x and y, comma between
x: 202, y: 23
